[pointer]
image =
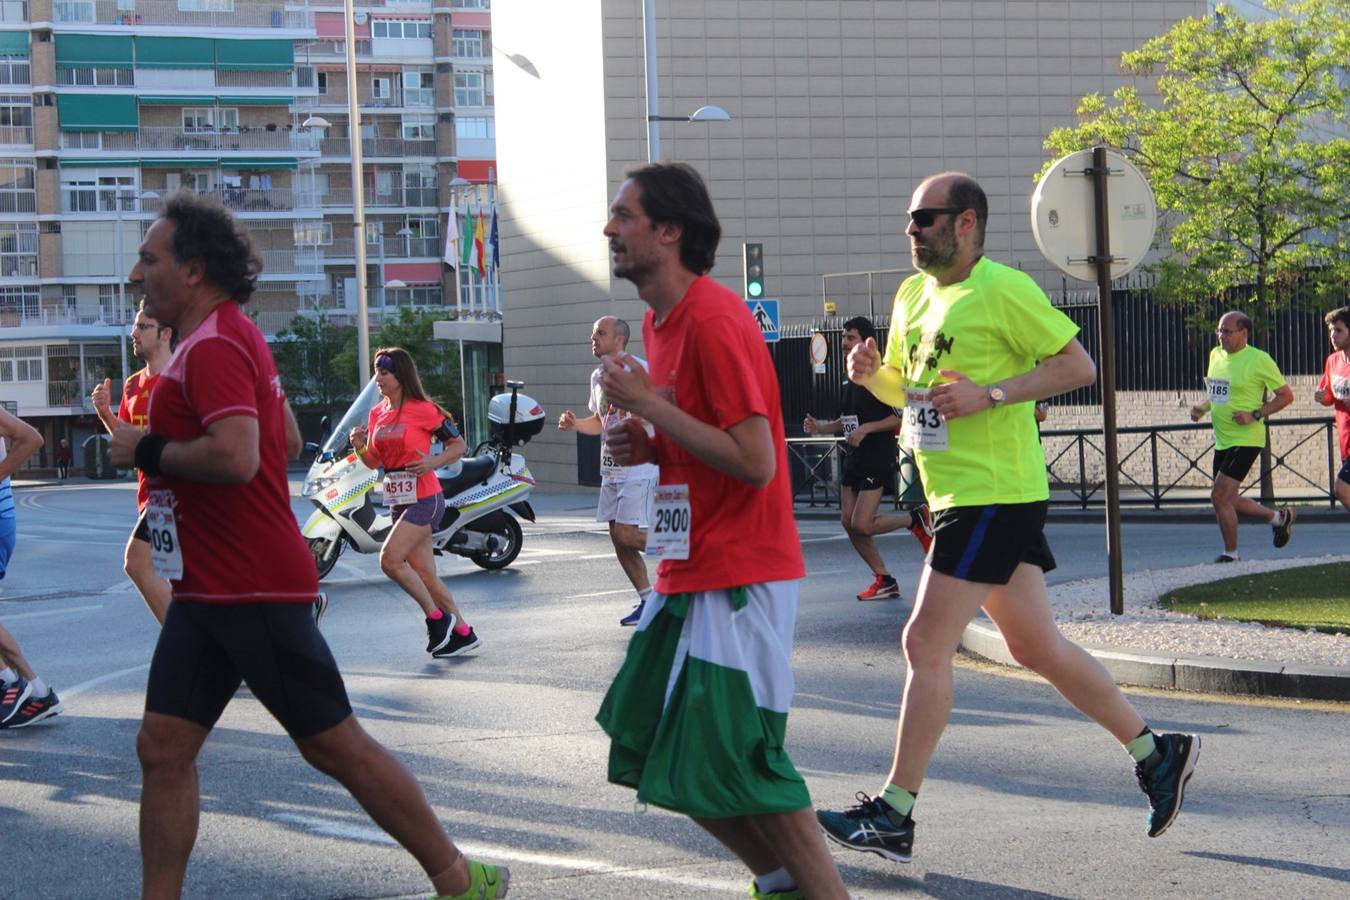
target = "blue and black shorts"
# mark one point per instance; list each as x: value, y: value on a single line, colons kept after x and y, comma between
x: 986, y: 544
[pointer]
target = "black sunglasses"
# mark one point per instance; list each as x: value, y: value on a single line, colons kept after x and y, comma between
x: 926, y: 217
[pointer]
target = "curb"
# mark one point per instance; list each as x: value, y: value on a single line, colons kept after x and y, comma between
x: 1201, y: 674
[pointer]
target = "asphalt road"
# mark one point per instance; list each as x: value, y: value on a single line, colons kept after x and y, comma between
x: 1024, y: 799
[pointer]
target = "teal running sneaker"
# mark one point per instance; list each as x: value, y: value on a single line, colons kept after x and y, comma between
x: 1164, y: 781
x: 872, y: 826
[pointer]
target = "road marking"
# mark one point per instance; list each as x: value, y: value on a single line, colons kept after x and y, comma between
x: 823, y: 572
x: 821, y: 540
x: 494, y: 852
x: 598, y: 556
x: 95, y: 682
x: 601, y: 594
x: 70, y: 611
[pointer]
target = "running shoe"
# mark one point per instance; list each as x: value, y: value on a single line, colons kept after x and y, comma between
x: 921, y: 525
x: 456, y: 644
x: 1164, y: 780
x: 320, y: 607
x: 32, y: 710
x: 635, y: 616
x: 485, y: 883
x: 1227, y: 558
x: 757, y: 894
x: 12, y: 697
x: 883, y: 588
x: 439, y: 632
x: 1285, y: 529
x: 872, y: 826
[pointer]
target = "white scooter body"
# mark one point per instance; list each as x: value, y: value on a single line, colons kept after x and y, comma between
x: 483, y: 494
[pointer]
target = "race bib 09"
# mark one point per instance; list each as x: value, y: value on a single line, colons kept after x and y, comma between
x: 165, y: 552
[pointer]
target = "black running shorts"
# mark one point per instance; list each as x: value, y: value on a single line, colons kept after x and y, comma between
x: 863, y: 474
x: 986, y: 544
x: 206, y: 649
x: 142, y: 532
x: 1344, y: 473
x: 1235, y: 462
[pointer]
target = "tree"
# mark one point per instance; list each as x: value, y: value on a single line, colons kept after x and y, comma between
x: 437, y: 361
x: 1248, y: 152
x: 316, y: 360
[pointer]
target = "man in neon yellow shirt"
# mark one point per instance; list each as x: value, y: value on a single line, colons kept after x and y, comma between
x: 962, y: 358
x: 1238, y: 377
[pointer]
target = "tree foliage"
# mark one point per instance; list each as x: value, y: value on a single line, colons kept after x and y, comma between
x: 1247, y: 148
x: 437, y: 361
x: 316, y: 360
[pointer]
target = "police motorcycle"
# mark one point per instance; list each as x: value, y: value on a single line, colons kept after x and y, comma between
x: 484, y: 493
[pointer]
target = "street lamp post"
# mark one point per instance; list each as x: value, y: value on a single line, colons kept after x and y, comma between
x: 123, y: 313
x: 654, y: 117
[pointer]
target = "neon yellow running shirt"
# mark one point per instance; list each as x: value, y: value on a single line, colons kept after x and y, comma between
x: 1234, y: 383
x: 990, y: 327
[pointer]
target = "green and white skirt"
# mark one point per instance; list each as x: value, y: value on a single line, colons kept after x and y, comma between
x: 697, y: 714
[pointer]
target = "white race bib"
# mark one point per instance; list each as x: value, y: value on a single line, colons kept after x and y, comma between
x: 609, y: 469
x: 400, y: 488
x: 668, y: 536
x: 1218, y: 391
x: 924, y: 428
x: 1340, y: 388
x: 165, y: 552
x: 848, y: 424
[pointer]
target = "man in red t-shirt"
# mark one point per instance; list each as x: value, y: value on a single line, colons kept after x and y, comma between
x: 153, y: 343
x: 1334, y: 390
x: 698, y: 712
x: 221, y: 529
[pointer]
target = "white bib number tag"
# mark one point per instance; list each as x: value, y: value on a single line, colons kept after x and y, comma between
x: 1340, y: 388
x: 165, y: 553
x: 609, y: 469
x: 400, y: 488
x: 668, y: 536
x: 848, y: 424
x: 1218, y: 391
x: 924, y: 428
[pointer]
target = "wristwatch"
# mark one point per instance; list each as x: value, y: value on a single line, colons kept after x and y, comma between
x: 997, y: 394
x: 1256, y: 414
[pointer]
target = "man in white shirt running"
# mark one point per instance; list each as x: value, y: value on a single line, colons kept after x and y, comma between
x: 625, y: 491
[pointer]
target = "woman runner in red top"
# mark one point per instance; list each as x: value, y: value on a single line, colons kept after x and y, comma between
x: 399, y: 435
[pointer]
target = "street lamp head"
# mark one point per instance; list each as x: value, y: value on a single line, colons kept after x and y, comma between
x: 710, y: 114
x: 316, y: 122
x: 395, y: 284
x: 405, y: 231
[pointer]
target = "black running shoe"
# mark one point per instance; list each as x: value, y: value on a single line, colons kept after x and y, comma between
x: 12, y: 697
x: 33, y: 710
x: 872, y: 826
x: 635, y: 616
x: 439, y: 631
x: 457, y: 644
x: 1165, y: 780
x: 1285, y: 529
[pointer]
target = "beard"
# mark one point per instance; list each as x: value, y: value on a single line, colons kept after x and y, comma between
x: 937, y: 252
x: 635, y: 270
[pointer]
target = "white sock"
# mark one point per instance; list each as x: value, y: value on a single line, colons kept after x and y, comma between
x: 644, y: 595
x: 777, y: 880
x: 40, y: 688
x: 8, y: 675
x: 1279, y: 518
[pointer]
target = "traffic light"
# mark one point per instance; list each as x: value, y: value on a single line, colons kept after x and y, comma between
x: 753, y: 257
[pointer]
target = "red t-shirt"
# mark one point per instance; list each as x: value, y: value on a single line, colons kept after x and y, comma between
x: 135, y: 410
x: 1336, y: 382
x: 708, y: 357
x: 399, y: 433
x: 240, y: 542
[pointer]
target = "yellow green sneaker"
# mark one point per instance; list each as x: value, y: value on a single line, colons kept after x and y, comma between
x: 486, y: 882
x: 757, y: 894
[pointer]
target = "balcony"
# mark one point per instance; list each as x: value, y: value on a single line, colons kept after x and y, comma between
x: 15, y: 72
x: 18, y: 135
x: 161, y: 139
x: 295, y: 261
x: 401, y: 198
x: 393, y: 147
x: 395, y: 248
x: 33, y: 313
x: 239, y: 14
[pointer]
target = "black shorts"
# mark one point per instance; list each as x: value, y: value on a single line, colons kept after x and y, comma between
x: 142, y: 532
x: 865, y: 474
x: 1235, y: 462
x: 986, y: 544
x: 205, y: 650
x: 1344, y: 473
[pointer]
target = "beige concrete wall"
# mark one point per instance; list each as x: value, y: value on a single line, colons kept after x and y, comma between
x: 839, y: 109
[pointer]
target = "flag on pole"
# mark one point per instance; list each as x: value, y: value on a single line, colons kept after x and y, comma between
x: 479, y: 250
x: 452, y: 240
x: 466, y: 244
x: 496, y: 242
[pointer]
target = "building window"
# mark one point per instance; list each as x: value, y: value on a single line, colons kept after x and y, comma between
x: 18, y: 186
x: 107, y: 296
x: 206, y: 5
x: 468, y: 42
x: 21, y: 363
x: 16, y: 119
x: 96, y: 76
x: 419, y: 185
x: 475, y: 128
x: 73, y: 10
x: 321, y: 80
x: 382, y: 88
x: 209, y: 118
x: 469, y: 89
x: 400, y: 29
x: 18, y: 249
x: 417, y: 88
x: 419, y: 128
x: 313, y: 234
x: 469, y: 4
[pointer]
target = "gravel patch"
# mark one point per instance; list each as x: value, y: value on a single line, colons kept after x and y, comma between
x: 1081, y: 609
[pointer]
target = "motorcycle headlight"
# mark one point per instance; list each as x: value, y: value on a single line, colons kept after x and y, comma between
x: 315, y: 485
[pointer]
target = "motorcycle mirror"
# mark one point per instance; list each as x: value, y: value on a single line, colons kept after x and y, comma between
x: 326, y: 426
x: 311, y: 447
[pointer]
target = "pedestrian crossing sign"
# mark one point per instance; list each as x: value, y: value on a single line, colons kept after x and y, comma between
x: 766, y: 317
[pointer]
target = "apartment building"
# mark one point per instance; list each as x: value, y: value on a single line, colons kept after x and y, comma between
x: 108, y: 106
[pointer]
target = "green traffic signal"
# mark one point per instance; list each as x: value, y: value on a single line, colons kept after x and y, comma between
x: 752, y: 257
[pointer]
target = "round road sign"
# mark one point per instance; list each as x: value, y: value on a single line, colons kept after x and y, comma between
x: 1062, y: 215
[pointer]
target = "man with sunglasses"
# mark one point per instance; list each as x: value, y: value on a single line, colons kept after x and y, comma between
x: 1237, y: 379
x: 972, y: 345
x: 152, y: 343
